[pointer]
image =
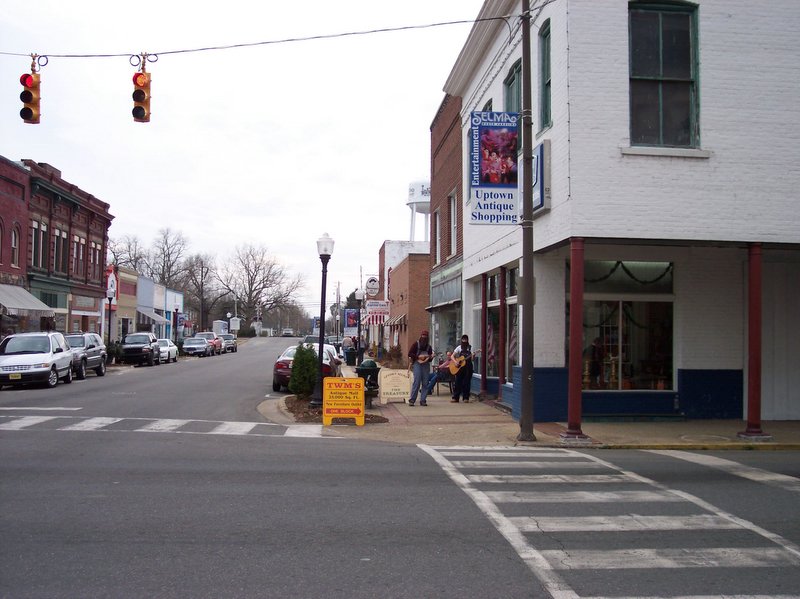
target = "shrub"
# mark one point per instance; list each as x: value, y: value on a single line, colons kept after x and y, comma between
x: 304, y: 371
x: 394, y: 358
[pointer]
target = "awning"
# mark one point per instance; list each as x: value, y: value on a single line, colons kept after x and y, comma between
x: 442, y: 305
x: 16, y: 301
x: 375, y: 319
x: 148, y: 313
x: 396, y: 321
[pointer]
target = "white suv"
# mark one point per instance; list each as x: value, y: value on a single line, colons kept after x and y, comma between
x: 35, y: 358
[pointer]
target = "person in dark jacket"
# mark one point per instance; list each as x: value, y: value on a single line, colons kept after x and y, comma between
x: 419, y: 363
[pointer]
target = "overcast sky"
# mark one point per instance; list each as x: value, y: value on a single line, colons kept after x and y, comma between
x: 274, y: 144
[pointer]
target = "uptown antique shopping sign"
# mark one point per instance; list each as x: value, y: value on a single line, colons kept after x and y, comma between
x: 493, y: 168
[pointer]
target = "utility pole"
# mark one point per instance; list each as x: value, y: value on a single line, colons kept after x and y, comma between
x: 528, y: 291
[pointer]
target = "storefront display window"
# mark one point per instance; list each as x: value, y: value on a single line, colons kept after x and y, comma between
x: 627, y: 342
x: 628, y: 345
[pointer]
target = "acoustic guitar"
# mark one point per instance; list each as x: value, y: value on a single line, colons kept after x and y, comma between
x: 458, y: 363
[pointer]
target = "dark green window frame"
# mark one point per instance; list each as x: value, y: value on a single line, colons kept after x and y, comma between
x: 545, y: 98
x: 663, y: 58
x: 513, y: 88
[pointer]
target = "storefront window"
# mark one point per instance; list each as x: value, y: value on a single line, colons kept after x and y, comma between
x: 492, y: 341
x: 512, y: 336
x: 628, y: 345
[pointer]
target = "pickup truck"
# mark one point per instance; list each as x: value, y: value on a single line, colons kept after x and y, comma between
x: 213, y: 340
x: 140, y: 348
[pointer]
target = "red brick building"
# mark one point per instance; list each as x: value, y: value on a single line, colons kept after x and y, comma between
x: 446, y: 225
x: 63, y: 240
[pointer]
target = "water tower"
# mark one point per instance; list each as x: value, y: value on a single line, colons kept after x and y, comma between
x: 419, y: 200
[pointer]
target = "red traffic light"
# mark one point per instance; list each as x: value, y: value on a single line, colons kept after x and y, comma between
x: 141, y: 97
x: 30, y: 97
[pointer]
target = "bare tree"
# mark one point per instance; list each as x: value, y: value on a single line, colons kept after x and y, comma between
x: 166, y: 258
x: 258, y: 281
x: 202, y: 286
x: 129, y: 252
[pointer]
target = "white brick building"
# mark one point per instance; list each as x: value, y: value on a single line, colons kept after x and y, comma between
x: 674, y: 131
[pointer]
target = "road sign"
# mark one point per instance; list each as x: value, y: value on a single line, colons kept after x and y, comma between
x: 372, y: 287
x: 342, y: 398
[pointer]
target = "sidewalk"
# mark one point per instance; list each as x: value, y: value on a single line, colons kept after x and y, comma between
x: 482, y: 423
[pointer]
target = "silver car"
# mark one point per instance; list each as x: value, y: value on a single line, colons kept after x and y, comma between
x: 35, y: 358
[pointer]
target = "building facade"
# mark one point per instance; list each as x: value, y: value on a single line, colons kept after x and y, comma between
x: 668, y: 233
x: 447, y: 202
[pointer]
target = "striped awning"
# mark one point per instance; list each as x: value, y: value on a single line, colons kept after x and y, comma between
x: 376, y: 319
x: 396, y: 321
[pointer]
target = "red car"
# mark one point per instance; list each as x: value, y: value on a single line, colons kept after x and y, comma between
x: 214, y: 341
x: 331, y: 366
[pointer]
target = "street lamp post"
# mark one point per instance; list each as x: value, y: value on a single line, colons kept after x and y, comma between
x: 325, y: 249
x: 360, y: 298
x: 175, y: 324
x: 110, y: 296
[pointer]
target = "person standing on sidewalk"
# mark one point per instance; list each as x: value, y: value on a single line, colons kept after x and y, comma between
x: 462, y: 359
x: 419, y: 362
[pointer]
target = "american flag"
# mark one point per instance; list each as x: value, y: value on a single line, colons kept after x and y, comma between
x: 512, y: 343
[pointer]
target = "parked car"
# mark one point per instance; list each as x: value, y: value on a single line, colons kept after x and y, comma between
x: 213, y: 340
x: 140, y: 348
x: 229, y: 342
x: 287, y: 332
x: 197, y: 346
x: 35, y: 358
x: 168, y: 350
x: 88, y: 353
x: 282, y: 371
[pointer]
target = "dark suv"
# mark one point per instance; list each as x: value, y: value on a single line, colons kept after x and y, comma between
x: 88, y: 353
x: 140, y: 348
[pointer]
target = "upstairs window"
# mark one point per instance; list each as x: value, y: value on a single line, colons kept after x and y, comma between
x: 663, y: 75
x: 452, y: 217
x: 545, y: 112
x: 512, y: 87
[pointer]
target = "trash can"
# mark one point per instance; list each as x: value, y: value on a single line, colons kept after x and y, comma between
x: 368, y: 370
x: 350, y: 356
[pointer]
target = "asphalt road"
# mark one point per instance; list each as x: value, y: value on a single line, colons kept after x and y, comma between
x: 167, y: 482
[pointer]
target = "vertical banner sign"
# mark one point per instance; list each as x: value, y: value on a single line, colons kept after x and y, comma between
x: 493, y: 168
x: 351, y: 322
x: 541, y: 177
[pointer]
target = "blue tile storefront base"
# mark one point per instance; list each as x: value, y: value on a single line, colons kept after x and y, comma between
x: 701, y: 394
x: 711, y: 393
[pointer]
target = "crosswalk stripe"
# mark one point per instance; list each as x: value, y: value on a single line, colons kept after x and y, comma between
x: 233, y: 428
x: 581, y: 496
x: 552, y: 453
x: 24, y: 422
x: 164, y: 425
x: 783, y: 481
x: 630, y: 522
x: 92, y: 424
x: 713, y: 557
x: 303, y: 430
x: 550, y: 478
x: 526, y: 465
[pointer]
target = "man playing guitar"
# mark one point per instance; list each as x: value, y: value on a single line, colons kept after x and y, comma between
x: 419, y: 357
x: 462, y: 360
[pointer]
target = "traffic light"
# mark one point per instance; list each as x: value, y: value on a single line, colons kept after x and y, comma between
x: 30, y: 97
x: 141, y: 97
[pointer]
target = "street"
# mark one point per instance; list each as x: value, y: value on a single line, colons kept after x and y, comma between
x: 166, y: 481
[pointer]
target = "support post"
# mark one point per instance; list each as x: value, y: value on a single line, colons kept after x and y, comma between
x: 574, y: 433
x: 753, y: 431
